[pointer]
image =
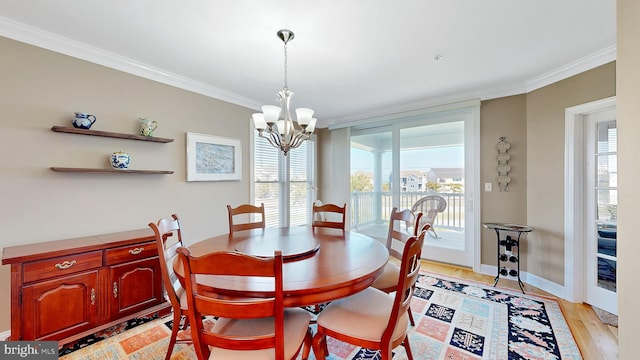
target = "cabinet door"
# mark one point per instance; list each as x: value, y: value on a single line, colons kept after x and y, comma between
x: 55, y: 309
x: 134, y: 286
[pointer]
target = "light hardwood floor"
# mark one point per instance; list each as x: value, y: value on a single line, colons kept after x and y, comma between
x: 595, y: 340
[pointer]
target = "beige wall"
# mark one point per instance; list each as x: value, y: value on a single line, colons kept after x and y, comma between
x: 503, y: 117
x: 40, y: 89
x: 534, y: 125
x: 545, y: 164
x: 628, y: 108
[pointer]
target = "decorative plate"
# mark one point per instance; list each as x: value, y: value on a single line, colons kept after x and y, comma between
x: 503, y: 158
x: 503, y: 179
x: 503, y: 146
x: 503, y: 169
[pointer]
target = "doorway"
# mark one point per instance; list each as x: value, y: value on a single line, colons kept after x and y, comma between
x: 601, y: 215
x: 591, y: 204
x: 396, y: 165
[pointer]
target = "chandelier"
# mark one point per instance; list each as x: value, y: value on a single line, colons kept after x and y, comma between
x: 282, y: 131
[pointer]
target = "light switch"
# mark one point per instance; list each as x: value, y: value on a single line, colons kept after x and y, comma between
x: 488, y: 186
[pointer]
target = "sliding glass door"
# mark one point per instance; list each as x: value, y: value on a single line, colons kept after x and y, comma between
x: 424, y: 163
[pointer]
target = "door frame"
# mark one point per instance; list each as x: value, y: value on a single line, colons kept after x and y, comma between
x: 467, y: 111
x: 574, y: 184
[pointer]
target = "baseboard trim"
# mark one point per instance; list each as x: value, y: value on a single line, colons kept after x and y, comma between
x: 547, y: 285
x: 5, y: 335
x: 529, y: 279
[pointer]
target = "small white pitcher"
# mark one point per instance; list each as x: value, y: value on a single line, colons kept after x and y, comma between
x: 147, y: 126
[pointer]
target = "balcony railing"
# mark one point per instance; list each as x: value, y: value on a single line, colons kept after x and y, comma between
x: 375, y: 207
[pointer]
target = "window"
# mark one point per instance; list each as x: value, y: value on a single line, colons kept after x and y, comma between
x: 285, y: 184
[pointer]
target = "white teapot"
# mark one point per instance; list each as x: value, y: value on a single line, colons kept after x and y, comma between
x: 83, y: 120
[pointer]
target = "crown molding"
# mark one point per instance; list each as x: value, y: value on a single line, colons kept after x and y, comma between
x: 583, y: 64
x: 434, y: 102
x: 46, y: 40
x: 49, y: 41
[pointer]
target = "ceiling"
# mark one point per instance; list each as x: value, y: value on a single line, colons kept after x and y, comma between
x: 349, y: 60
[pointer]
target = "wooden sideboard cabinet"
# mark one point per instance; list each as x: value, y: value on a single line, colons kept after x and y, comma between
x: 67, y: 289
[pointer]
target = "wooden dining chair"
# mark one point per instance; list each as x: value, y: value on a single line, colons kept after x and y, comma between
x: 372, y: 318
x: 245, y: 328
x: 402, y: 225
x: 246, y: 209
x: 169, y: 238
x: 329, y: 216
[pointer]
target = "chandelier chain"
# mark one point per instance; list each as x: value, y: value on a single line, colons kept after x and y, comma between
x: 286, y: 85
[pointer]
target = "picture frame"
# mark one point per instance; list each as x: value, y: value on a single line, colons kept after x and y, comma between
x: 213, y: 158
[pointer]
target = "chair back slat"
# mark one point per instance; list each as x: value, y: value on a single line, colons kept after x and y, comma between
x: 323, y: 216
x: 246, y: 209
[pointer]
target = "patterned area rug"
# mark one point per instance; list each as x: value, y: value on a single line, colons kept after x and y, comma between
x: 455, y: 319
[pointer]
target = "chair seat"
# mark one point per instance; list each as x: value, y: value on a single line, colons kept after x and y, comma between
x: 364, y: 315
x: 389, y: 277
x: 296, y: 322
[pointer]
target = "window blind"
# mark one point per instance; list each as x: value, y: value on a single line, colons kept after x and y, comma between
x: 277, y: 175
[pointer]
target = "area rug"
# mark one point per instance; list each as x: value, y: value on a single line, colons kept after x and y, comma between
x: 455, y: 319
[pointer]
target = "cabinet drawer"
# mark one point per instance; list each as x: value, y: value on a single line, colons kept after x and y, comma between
x: 131, y: 253
x: 62, y: 265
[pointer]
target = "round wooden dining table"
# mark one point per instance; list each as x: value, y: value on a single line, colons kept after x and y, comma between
x: 319, y: 265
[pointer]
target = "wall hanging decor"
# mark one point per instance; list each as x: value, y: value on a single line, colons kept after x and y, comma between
x: 213, y: 158
x: 503, y: 158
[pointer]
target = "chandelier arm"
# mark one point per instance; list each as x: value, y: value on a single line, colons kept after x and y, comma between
x: 276, y: 140
x: 298, y: 140
x: 269, y: 137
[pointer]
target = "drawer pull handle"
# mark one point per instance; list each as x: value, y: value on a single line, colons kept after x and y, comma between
x: 115, y: 289
x: 65, y: 265
x: 136, y: 251
x: 93, y: 296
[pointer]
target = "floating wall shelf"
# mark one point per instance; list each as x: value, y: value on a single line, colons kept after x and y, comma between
x: 70, y: 130
x: 120, y: 171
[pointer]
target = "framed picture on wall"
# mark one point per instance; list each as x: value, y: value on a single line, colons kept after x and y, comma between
x: 213, y: 158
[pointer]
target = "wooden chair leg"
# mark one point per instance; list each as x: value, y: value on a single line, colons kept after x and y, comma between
x: 407, y: 347
x: 325, y: 346
x: 308, y: 339
x: 320, y: 346
x: 174, y: 334
x: 413, y: 323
